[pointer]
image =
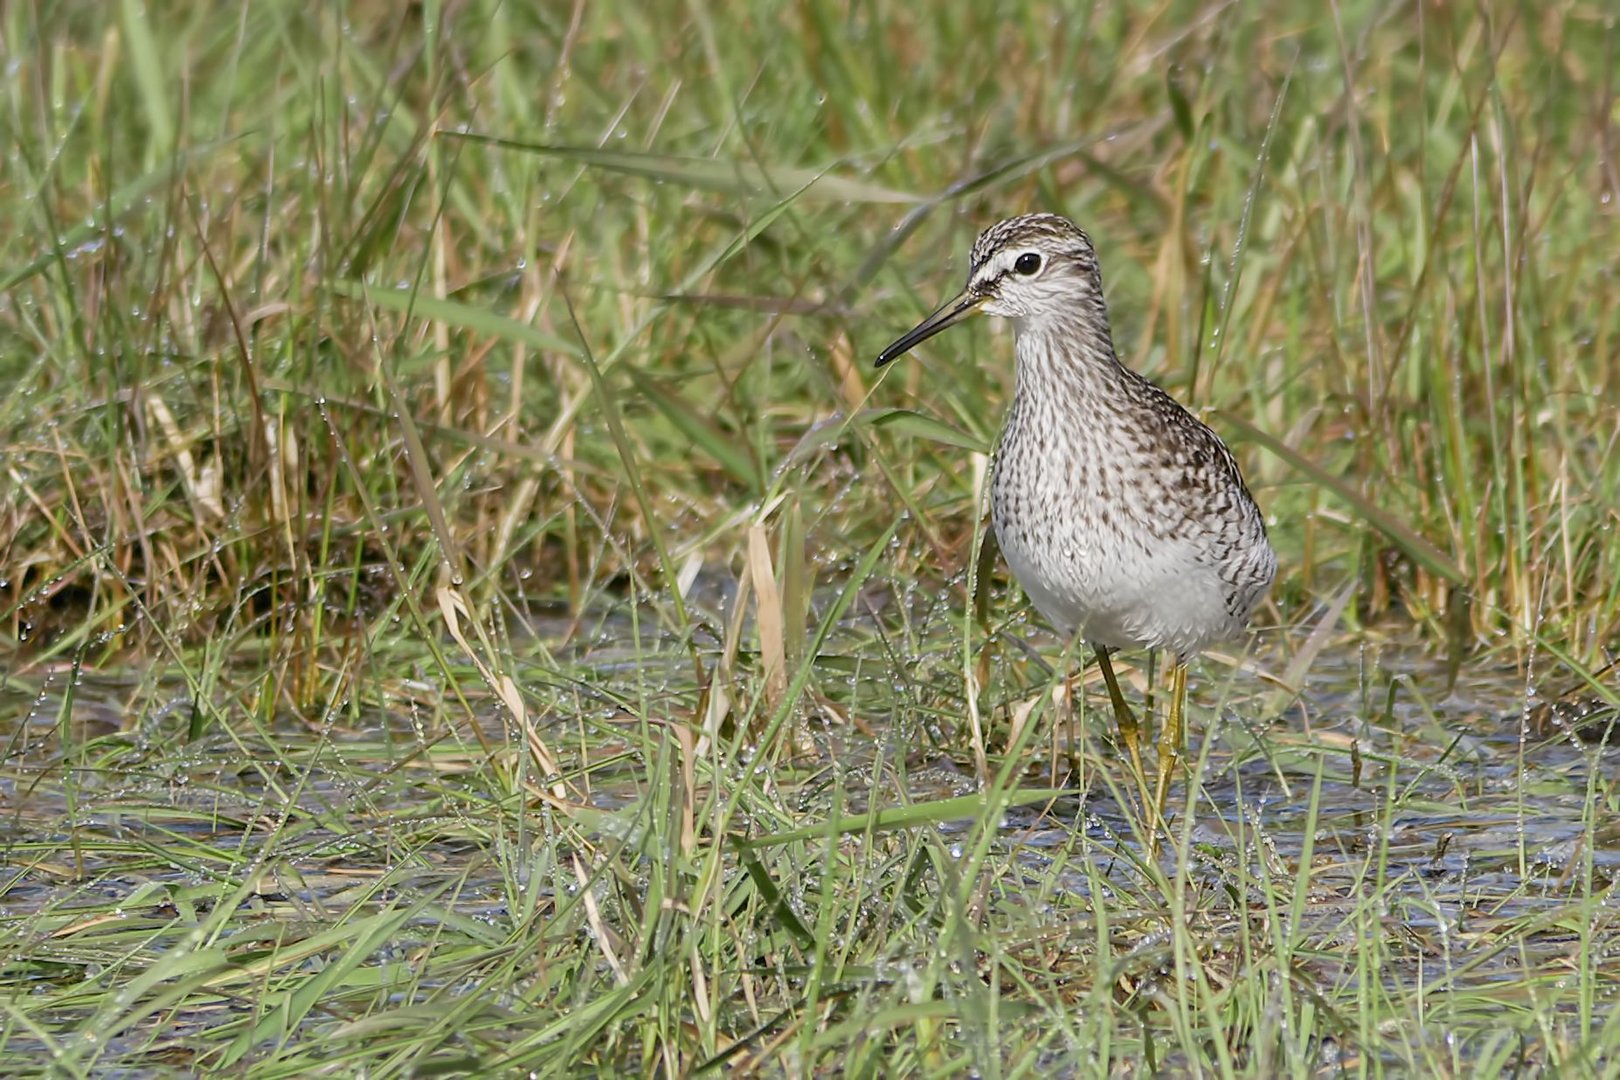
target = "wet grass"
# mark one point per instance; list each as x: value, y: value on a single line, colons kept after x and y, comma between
x: 471, y: 606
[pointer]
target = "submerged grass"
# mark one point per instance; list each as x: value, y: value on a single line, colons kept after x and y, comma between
x: 471, y: 606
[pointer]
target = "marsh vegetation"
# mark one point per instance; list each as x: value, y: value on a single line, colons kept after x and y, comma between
x: 470, y: 604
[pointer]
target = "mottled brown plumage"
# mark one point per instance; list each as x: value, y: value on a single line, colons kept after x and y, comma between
x: 1123, y: 516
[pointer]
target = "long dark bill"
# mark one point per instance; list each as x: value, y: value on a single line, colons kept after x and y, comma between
x: 953, y: 311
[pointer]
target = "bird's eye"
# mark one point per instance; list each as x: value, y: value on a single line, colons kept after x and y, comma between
x: 1028, y: 264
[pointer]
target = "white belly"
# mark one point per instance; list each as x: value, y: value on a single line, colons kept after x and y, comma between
x: 1124, y: 596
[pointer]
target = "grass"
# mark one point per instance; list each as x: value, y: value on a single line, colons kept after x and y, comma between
x: 472, y: 607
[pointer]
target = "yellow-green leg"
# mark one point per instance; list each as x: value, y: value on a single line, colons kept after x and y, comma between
x: 1130, y: 732
x: 1171, y: 736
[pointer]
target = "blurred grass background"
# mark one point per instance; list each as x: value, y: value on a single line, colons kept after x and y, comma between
x: 341, y: 340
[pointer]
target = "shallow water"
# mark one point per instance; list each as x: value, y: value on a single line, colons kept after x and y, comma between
x: 1439, y: 811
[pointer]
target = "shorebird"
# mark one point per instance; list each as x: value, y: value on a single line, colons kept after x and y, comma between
x: 1122, y: 515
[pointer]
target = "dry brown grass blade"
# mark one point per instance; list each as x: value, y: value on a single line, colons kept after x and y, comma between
x: 767, y: 615
x: 454, y: 608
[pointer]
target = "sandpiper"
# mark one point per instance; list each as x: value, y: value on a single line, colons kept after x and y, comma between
x: 1123, y: 516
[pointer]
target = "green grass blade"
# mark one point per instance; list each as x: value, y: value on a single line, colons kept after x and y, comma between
x: 743, y: 178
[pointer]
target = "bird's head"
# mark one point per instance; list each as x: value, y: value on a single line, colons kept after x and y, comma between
x: 1022, y: 268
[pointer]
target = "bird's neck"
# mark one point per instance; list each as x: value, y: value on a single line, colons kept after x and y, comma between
x: 1066, y: 356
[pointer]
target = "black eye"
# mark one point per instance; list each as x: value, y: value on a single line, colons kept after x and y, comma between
x: 1028, y: 264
